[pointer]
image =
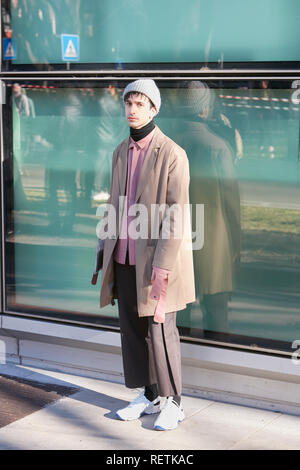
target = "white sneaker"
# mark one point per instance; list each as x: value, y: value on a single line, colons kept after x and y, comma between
x: 169, y: 417
x: 138, y: 407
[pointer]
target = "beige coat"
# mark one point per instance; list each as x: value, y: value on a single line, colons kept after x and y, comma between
x: 164, y: 179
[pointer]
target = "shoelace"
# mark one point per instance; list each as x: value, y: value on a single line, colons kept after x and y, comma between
x: 138, y: 399
x: 168, y: 400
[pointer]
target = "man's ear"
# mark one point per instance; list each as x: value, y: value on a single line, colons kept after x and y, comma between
x: 153, y: 111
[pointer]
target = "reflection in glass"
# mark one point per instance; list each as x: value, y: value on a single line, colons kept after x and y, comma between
x: 62, y: 164
x: 217, y: 32
x: 210, y: 142
x: 62, y: 150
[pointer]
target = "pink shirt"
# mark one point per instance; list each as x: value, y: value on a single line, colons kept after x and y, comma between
x: 136, y: 155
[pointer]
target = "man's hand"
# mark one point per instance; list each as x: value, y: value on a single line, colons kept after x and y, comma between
x: 158, y: 292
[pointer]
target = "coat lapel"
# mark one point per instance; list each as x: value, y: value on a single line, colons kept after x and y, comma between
x: 149, y: 162
x: 147, y: 166
x: 122, y: 166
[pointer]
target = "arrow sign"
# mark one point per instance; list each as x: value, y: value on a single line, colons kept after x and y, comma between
x: 70, y: 47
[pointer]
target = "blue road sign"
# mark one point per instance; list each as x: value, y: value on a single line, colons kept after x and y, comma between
x: 9, y: 50
x: 70, y: 47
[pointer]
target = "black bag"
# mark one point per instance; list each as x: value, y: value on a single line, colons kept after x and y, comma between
x: 99, y: 260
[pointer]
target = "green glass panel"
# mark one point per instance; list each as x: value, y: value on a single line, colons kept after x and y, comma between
x: 131, y: 31
x: 62, y: 160
x: 243, y: 149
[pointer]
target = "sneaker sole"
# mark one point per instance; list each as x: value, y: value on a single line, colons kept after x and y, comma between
x: 120, y: 417
x: 142, y: 414
x: 160, y: 428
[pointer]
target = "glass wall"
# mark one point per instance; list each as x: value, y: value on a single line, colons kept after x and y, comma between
x: 123, y: 32
x: 242, y: 141
x: 62, y: 140
x: 241, y: 135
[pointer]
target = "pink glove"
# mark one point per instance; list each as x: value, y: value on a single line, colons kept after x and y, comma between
x: 159, y: 292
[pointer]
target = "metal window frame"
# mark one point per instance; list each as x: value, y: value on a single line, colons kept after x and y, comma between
x: 113, y: 325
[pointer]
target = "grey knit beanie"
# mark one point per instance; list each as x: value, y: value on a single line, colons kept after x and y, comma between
x: 198, y: 96
x: 146, y: 86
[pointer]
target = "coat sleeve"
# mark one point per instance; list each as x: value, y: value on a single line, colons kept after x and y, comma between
x: 172, y: 231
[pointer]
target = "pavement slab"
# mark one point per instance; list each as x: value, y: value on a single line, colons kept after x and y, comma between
x: 20, y: 397
x: 85, y: 419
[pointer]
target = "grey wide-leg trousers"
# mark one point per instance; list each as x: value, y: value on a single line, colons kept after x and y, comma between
x: 150, y: 350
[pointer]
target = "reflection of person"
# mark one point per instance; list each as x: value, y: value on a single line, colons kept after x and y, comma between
x: 221, y: 125
x: 153, y: 278
x: 35, y: 27
x: 66, y: 147
x: 103, y: 128
x: 24, y: 109
x: 268, y: 120
x: 109, y: 129
x: 20, y: 144
x: 21, y: 100
x: 213, y: 184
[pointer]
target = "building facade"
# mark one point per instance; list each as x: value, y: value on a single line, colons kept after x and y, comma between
x: 229, y: 79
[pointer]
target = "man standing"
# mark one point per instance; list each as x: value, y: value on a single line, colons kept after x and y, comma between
x: 151, y: 276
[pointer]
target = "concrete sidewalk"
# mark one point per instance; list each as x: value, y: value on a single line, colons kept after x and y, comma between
x: 86, y: 421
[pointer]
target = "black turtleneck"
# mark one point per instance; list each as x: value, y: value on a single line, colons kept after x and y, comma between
x: 138, y: 134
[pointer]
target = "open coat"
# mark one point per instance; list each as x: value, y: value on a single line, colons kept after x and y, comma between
x: 164, y: 180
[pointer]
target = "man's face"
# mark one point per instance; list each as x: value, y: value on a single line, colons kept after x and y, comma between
x: 138, y: 110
